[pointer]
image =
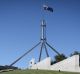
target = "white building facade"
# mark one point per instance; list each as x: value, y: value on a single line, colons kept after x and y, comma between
x: 70, y: 64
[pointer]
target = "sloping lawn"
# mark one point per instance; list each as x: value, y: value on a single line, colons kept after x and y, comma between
x: 36, y: 72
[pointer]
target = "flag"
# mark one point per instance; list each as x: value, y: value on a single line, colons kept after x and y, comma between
x: 45, y: 7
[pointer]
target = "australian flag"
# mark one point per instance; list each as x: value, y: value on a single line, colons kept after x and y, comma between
x: 45, y: 7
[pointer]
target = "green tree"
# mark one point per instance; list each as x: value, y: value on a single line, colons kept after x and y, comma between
x: 75, y: 53
x: 60, y: 57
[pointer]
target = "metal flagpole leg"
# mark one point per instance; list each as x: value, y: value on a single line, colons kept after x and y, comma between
x: 40, y: 52
x: 46, y: 50
x: 24, y: 54
x: 53, y: 49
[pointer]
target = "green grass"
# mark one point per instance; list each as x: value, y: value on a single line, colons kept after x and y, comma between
x: 36, y: 72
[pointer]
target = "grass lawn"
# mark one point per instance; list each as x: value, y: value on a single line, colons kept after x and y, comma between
x: 36, y: 72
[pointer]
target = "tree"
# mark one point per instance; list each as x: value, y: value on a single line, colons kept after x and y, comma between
x: 75, y: 53
x: 60, y: 57
x: 8, y: 67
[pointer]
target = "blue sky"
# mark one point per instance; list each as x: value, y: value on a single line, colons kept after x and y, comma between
x: 20, y: 28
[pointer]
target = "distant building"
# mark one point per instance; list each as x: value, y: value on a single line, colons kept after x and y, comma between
x: 70, y: 64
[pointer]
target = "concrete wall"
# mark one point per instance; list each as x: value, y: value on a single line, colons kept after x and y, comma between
x: 69, y: 64
x: 31, y: 62
x: 44, y: 64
